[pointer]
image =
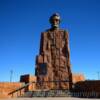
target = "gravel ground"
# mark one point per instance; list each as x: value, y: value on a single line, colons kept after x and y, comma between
x: 49, y: 98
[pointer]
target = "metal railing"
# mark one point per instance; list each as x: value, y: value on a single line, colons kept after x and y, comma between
x: 86, y: 94
x: 21, y: 91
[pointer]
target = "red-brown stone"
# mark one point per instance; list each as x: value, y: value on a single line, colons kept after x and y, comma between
x: 54, y: 53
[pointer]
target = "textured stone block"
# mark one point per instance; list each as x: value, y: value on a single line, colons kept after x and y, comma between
x: 54, y: 51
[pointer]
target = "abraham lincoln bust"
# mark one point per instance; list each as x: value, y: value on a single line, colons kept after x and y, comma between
x: 53, y: 62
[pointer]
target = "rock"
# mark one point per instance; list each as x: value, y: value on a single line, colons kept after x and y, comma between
x: 54, y: 52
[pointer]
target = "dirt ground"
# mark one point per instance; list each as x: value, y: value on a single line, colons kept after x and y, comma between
x: 49, y: 98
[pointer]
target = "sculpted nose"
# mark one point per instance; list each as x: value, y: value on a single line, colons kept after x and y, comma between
x: 55, y: 21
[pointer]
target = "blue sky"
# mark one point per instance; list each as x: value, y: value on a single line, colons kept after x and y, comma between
x: 22, y: 21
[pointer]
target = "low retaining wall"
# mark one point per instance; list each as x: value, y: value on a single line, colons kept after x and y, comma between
x: 6, y: 87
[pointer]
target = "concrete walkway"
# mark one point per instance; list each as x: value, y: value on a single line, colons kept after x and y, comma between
x: 50, y: 98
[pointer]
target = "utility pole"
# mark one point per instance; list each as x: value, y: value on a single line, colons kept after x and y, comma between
x: 98, y: 73
x: 11, y: 74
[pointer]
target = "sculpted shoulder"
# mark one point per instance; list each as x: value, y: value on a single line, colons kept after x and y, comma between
x: 44, y: 34
x: 48, y: 31
x: 63, y: 30
x: 51, y: 30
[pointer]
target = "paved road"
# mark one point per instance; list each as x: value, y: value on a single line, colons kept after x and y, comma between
x: 49, y: 98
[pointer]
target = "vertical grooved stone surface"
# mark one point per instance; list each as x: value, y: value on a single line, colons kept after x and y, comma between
x: 54, y: 52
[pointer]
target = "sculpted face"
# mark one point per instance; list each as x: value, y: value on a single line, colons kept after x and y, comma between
x: 55, y: 21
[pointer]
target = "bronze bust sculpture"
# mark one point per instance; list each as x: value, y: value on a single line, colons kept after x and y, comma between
x: 53, y: 63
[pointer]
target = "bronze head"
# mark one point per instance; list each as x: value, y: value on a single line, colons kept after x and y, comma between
x: 55, y: 21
